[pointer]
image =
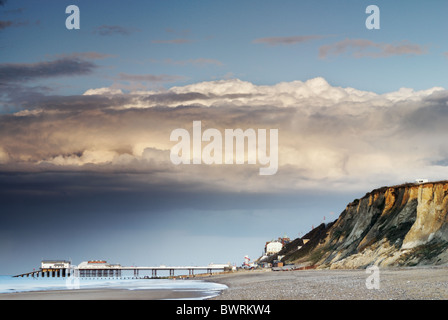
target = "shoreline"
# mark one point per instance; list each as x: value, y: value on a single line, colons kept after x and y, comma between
x: 137, y: 290
x: 104, y: 294
x: 411, y: 283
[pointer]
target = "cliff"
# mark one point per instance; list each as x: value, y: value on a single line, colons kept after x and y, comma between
x: 404, y: 225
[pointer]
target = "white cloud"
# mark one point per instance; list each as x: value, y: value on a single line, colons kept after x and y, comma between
x: 102, y: 91
x: 328, y: 135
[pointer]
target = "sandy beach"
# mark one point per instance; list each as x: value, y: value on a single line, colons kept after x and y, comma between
x: 395, y: 284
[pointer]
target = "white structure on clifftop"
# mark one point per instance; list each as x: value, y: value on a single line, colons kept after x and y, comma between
x: 273, y: 247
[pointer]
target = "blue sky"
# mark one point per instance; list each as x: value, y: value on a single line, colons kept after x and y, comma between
x: 92, y: 171
x: 222, y: 35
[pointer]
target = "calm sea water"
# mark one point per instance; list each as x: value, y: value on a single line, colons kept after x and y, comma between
x: 9, y: 284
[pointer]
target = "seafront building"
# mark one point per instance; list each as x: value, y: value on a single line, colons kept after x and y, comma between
x: 99, y: 268
x: 53, y: 268
x: 275, y: 246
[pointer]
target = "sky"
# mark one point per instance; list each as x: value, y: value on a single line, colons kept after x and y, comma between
x: 86, y: 117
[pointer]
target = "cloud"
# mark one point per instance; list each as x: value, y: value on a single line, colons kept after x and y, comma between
x: 136, y: 82
x: 330, y: 137
x: 149, y: 78
x: 3, y: 156
x: 8, y: 23
x: 16, y: 23
x: 14, y: 11
x: 19, y: 72
x: 5, y: 24
x: 201, y: 62
x: 91, y: 100
x: 91, y: 55
x: 275, y: 41
x: 182, y: 33
x: 102, y: 92
x: 18, y: 80
x: 108, y: 30
x: 366, y: 48
x: 173, y: 41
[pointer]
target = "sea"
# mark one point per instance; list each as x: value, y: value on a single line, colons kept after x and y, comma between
x: 204, y: 289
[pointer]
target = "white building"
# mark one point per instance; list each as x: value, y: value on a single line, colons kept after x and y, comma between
x: 54, y: 264
x: 97, y: 264
x: 219, y: 265
x: 273, y: 247
x: 99, y: 268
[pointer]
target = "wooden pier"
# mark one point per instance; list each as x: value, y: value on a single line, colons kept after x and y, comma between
x: 46, y: 273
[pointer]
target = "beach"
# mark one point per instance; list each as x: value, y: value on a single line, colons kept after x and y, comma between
x: 417, y: 283
x: 107, y: 289
x: 102, y: 294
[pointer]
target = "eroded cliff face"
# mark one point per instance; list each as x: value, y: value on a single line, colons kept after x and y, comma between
x: 392, y: 226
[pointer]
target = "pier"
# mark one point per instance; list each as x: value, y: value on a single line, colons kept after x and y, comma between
x: 191, y: 270
x: 101, y: 269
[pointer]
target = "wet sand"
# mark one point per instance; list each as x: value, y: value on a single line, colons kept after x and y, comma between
x: 101, y: 294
